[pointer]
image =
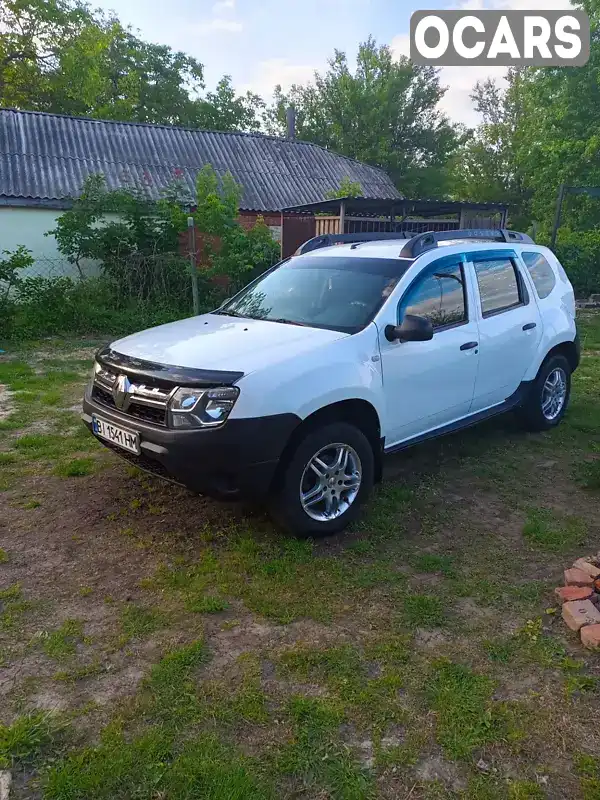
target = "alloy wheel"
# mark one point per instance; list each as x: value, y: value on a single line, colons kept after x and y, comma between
x: 330, y: 482
x: 554, y: 394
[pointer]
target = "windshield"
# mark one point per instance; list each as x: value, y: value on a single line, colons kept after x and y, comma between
x: 342, y: 294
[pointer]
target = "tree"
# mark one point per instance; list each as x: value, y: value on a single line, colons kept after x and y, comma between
x: 61, y: 56
x: 385, y: 113
x: 137, y: 241
x: 223, y: 110
x: 539, y: 132
x: 34, y: 32
x: 559, y: 133
x: 485, y: 168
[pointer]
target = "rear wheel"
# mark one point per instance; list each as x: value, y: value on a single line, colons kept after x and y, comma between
x: 548, y: 396
x: 325, y: 482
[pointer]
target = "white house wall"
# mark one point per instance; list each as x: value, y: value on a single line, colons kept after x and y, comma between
x: 27, y: 226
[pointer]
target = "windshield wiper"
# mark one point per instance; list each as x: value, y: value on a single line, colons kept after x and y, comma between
x: 287, y: 321
x: 230, y: 313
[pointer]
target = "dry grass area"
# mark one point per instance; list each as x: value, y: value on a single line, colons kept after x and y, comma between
x: 155, y: 644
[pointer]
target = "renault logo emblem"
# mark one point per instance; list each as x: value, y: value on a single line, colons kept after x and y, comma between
x: 121, y: 392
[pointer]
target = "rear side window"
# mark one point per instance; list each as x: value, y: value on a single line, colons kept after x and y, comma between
x: 498, y: 285
x: 439, y: 295
x: 541, y: 273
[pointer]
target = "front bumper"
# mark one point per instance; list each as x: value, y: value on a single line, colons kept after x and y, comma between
x: 237, y: 460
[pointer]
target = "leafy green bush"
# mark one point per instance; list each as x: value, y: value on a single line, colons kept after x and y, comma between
x: 144, y: 272
x: 62, y: 306
x: 579, y: 253
x: 10, y: 265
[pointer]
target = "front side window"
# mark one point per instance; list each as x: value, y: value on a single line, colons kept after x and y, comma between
x: 341, y: 294
x: 438, y: 295
x: 499, y: 287
x: 541, y: 273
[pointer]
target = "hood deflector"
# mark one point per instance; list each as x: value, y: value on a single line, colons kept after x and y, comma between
x: 167, y: 374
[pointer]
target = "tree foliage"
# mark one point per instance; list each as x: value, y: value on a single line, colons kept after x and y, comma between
x: 63, y: 57
x: 485, y: 167
x: 229, y: 254
x: 384, y: 113
x: 559, y: 136
x: 138, y: 241
x: 540, y: 130
x: 347, y: 188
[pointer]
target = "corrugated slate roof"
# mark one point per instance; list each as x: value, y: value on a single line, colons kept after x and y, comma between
x: 48, y: 156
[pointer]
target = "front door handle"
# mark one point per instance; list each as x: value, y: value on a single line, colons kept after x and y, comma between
x: 469, y: 345
x: 530, y: 326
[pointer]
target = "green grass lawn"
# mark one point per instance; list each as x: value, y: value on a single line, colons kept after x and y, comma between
x: 159, y: 645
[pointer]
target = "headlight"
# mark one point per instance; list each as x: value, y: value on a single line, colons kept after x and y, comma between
x: 201, y: 408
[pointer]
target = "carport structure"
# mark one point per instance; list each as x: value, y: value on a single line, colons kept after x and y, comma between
x: 365, y: 215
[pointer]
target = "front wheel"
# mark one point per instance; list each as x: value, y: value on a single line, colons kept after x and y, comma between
x: 548, y: 397
x: 325, y: 482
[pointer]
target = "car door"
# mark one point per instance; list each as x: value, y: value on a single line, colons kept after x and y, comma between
x: 430, y: 384
x: 510, y: 326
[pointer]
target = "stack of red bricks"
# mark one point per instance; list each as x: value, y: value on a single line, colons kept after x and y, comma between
x: 581, y: 600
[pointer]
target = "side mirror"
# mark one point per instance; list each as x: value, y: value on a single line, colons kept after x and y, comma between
x: 412, y: 329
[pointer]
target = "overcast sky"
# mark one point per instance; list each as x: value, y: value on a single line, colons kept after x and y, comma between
x: 264, y: 42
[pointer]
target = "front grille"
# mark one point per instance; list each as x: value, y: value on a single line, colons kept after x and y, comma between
x: 148, y: 403
x: 149, y: 414
x: 103, y: 397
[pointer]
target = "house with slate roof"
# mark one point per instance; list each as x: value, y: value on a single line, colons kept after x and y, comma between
x: 45, y: 158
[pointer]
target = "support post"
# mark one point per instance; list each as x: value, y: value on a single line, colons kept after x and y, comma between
x: 193, y: 265
x: 342, y: 216
x: 557, y: 214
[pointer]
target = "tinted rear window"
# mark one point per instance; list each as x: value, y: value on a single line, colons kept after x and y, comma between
x: 541, y: 273
x: 498, y: 285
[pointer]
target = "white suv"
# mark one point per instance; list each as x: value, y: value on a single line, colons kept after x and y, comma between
x: 295, y: 389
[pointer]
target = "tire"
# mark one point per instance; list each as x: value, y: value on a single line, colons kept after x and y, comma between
x: 532, y: 412
x: 325, y: 442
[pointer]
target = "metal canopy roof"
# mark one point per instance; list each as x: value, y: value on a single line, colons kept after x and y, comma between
x: 45, y: 158
x: 368, y: 207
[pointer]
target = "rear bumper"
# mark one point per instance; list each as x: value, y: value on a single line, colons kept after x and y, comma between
x: 237, y: 460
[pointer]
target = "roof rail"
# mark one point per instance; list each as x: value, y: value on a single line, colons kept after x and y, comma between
x: 328, y: 239
x: 426, y: 241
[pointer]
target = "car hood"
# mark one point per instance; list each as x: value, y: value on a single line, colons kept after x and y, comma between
x: 216, y: 342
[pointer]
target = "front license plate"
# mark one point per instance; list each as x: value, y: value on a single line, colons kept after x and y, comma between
x: 128, y: 440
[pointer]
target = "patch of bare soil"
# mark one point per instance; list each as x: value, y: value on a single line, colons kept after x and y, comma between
x: 436, y: 768
x: 72, y: 563
x: 75, y: 559
x: 6, y: 404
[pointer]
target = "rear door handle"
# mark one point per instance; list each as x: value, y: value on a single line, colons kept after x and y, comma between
x: 530, y: 326
x: 469, y: 345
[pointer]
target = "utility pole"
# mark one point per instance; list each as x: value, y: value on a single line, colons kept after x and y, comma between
x: 193, y: 265
x: 559, y: 202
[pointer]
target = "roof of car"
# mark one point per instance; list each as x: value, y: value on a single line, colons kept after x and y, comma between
x: 391, y: 248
